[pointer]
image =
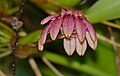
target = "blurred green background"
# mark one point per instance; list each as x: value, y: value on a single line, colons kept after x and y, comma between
x: 53, y: 61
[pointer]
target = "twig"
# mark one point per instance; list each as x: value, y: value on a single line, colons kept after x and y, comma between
x: 34, y: 67
x: 45, y: 60
x: 2, y: 74
x: 14, y: 53
x: 107, y: 40
x: 116, y: 51
x: 111, y: 24
x: 112, y: 38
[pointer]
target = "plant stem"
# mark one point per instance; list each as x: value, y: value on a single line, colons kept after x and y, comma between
x: 34, y: 67
x: 111, y: 24
x: 2, y: 74
x: 46, y: 61
x: 107, y: 40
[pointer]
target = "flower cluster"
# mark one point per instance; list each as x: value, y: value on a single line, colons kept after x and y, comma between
x: 76, y: 30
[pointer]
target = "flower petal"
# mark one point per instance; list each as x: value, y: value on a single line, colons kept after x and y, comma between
x: 90, y: 29
x: 54, y: 29
x: 44, y: 34
x: 45, y: 20
x: 69, y: 11
x: 80, y: 29
x: 77, y: 13
x: 68, y: 26
x: 81, y: 47
x: 63, y: 12
x: 84, y: 47
x: 96, y: 42
x: 91, y: 43
x: 69, y: 45
x: 40, y: 46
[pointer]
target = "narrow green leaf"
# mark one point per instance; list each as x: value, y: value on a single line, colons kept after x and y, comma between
x: 13, y: 10
x: 32, y: 37
x: 69, y: 3
x: 5, y: 54
x: 3, y: 44
x: 5, y: 27
x: 74, y: 64
x: 104, y: 10
x: 3, y: 39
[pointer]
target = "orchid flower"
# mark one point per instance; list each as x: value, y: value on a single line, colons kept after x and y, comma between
x: 76, y: 30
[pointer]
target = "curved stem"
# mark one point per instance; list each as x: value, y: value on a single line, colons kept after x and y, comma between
x: 46, y: 61
x: 34, y: 67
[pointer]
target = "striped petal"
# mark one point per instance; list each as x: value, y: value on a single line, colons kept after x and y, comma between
x: 69, y: 11
x: 44, y: 34
x: 40, y: 46
x: 69, y: 45
x: 80, y: 29
x: 90, y: 29
x: 68, y: 26
x: 81, y: 47
x: 54, y: 29
x: 45, y: 20
x: 90, y: 41
x: 84, y: 45
x: 63, y: 12
x: 77, y: 13
x: 96, y: 43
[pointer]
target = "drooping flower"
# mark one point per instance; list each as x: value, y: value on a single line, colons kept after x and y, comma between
x: 76, y: 30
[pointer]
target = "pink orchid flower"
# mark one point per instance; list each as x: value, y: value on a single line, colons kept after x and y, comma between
x: 76, y: 30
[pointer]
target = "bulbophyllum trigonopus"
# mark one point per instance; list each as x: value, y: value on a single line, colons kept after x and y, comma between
x: 76, y: 31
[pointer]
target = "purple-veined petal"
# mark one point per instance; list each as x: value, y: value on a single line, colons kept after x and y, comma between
x: 80, y: 29
x: 90, y: 29
x: 69, y: 45
x: 68, y: 26
x: 90, y: 41
x: 45, y: 20
x: 63, y: 12
x: 55, y: 27
x: 77, y: 13
x: 80, y: 47
x: 44, y: 34
x: 69, y: 11
x: 84, y: 47
x: 40, y: 46
x: 96, y: 42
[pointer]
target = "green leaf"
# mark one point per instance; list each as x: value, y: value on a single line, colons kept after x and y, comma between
x: 13, y: 10
x: 32, y: 37
x: 103, y: 10
x: 5, y: 54
x: 69, y: 3
x: 5, y: 27
x: 105, y: 58
x: 74, y: 64
x: 50, y: 6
